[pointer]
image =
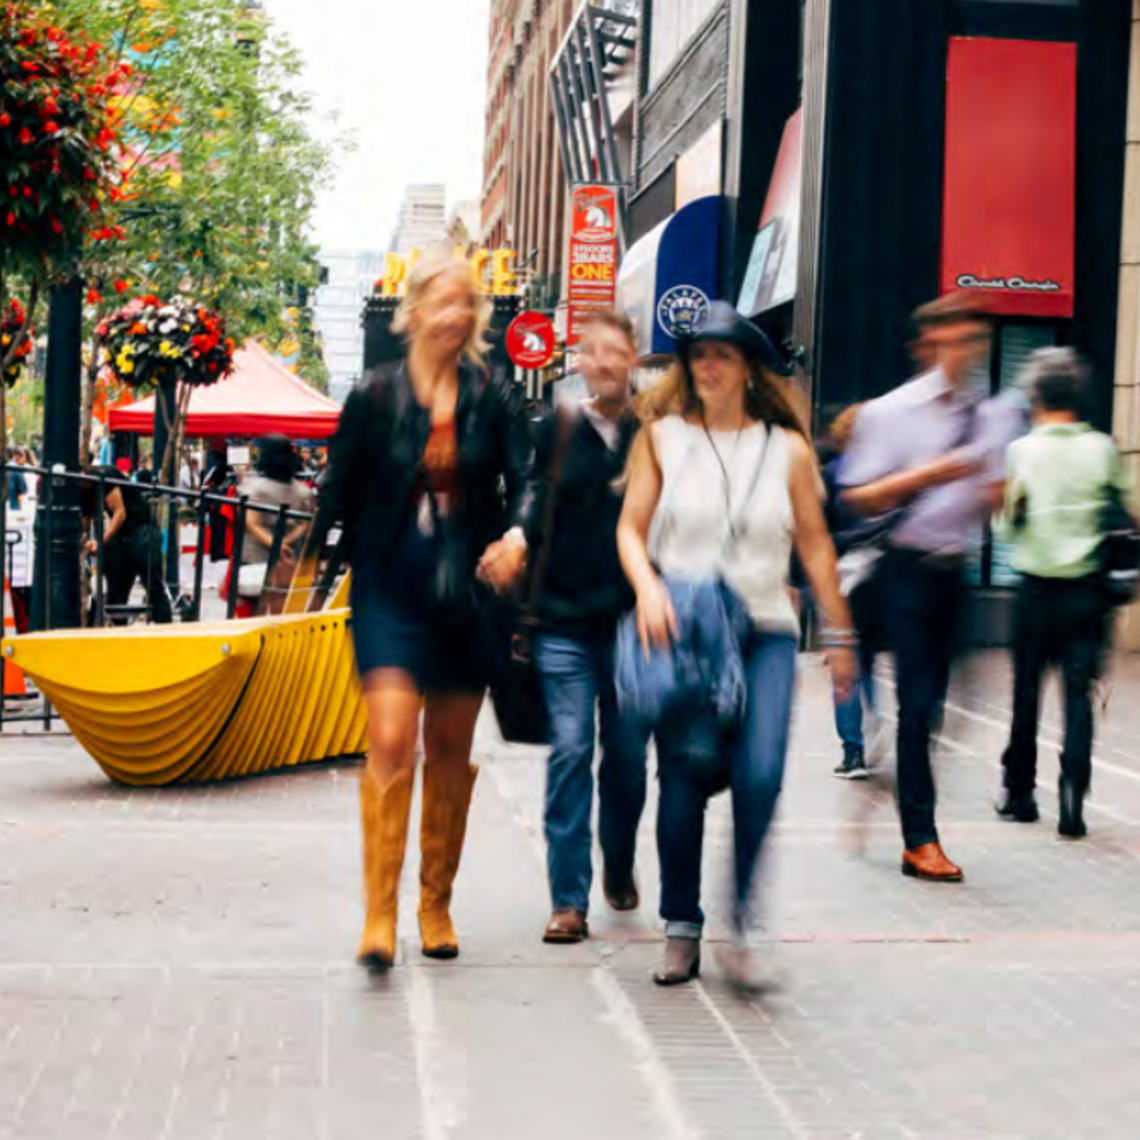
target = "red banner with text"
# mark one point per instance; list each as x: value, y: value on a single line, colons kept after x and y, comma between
x: 1009, y: 221
x: 593, y: 255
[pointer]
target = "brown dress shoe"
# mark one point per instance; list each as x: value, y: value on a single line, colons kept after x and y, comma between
x: 566, y: 926
x: 929, y: 862
x: 620, y: 890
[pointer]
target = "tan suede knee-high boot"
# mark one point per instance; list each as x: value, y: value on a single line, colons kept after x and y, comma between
x: 384, y: 811
x: 447, y: 798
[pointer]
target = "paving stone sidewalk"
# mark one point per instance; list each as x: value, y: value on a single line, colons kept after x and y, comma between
x: 176, y: 964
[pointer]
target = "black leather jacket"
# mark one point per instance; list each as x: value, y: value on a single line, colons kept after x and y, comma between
x: 380, y: 440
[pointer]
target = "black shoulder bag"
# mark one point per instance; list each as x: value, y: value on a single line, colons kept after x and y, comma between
x: 1119, y: 550
x: 516, y: 688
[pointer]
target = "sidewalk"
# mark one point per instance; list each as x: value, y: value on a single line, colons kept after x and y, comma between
x: 178, y: 964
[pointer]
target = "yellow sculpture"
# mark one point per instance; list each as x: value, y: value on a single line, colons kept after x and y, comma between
x: 189, y: 703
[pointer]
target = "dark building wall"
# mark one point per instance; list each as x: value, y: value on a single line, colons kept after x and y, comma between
x: 689, y: 99
x: 882, y: 191
x: 693, y: 96
x: 883, y: 175
x: 769, y: 94
x: 1102, y: 84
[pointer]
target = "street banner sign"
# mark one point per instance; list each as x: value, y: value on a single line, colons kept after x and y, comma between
x: 530, y: 340
x: 593, y: 254
x: 1010, y: 195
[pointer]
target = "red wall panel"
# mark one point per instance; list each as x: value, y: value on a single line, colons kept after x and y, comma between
x: 1009, y: 216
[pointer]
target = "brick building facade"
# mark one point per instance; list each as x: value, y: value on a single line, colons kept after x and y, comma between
x: 524, y: 185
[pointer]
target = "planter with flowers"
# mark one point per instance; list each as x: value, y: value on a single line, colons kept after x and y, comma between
x: 15, y: 341
x: 172, y: 346
x: 59, y: 159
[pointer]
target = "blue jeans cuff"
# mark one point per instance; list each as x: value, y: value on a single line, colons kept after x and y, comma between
x: 570, y: 904
x: 690, y: 930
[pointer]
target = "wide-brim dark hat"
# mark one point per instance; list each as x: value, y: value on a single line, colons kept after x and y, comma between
x: 725, y: 323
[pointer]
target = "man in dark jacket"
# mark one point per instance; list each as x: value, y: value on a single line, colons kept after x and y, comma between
x: 580, y: 459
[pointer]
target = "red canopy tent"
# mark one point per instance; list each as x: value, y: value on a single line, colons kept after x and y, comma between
x: 260, y: 397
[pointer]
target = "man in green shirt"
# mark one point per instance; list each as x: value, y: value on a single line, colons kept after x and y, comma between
x: 1059, y: 479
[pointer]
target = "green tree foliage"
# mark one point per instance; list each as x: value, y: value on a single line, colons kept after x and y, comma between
x: 221, y: 164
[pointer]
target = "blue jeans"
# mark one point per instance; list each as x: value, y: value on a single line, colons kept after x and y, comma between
x: 577, y: 677
x: 755, y: 756
x: 849, y: 713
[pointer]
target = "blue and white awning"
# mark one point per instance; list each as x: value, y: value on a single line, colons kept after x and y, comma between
x: 670, y: 276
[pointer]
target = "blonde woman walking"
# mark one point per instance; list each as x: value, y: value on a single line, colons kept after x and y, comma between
x: 429, y: 472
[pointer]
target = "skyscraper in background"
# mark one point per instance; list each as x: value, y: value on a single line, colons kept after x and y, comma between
x: 338, y: 311
x: 423, y: 219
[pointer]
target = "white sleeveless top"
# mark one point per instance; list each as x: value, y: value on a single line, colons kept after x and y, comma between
x: 691, y: 535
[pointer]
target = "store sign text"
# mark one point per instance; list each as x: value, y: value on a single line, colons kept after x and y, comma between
x: 594, y: 263
x: 491, y: 270
x: 1014, y: 284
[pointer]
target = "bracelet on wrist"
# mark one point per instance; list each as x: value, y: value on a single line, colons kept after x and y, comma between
x: 839, y: 639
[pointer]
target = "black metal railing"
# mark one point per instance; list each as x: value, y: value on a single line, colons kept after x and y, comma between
x: 193, y: 505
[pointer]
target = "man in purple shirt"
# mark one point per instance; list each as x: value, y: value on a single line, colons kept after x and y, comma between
x: 928, y: 454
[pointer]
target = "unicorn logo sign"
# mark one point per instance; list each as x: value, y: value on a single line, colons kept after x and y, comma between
x: 595, y: 211
x: 530, y: 340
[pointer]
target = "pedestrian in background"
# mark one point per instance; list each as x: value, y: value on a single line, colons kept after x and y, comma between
x: 132, y: 543
x: 17, y: 483
x: 848, y: 531
x: 728, y: 482
x: 580, y: 456
x: 429, y: 473
x: 923, y: 456
x: 1059, y: 481
x: 273, y: 485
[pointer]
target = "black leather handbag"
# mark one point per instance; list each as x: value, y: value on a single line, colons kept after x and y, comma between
x: 516, y: 687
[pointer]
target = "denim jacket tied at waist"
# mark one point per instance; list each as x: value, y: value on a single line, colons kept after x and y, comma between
x: 697, y: 685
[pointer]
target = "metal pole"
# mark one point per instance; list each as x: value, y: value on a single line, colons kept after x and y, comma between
x: 569, y: 158
x: 598, y: 60
x: 200, y: 556
x: 590, y: 101
x: 575, y: 113
x: 235, y: 561
x: 165, y: 402
x: 58, y: 523
x: 100, y: 600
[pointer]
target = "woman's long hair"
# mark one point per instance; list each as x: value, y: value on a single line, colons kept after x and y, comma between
x: 276, y: 459
x: 430, y: 268
x: 765, y: 401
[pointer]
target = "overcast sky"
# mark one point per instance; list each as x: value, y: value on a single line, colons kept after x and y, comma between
x: 407, y: 78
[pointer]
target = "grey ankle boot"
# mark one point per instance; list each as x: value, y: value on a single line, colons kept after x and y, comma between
x: 682, y: 962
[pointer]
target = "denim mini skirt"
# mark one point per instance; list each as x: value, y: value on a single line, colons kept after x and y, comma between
x: 393, y: 630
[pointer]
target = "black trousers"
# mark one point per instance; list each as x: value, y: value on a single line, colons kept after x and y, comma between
x: 137, y: 557
x: 1060, y: 622
x: 923, y: 602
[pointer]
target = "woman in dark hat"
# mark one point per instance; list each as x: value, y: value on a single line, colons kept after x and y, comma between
x: 727, y: 479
